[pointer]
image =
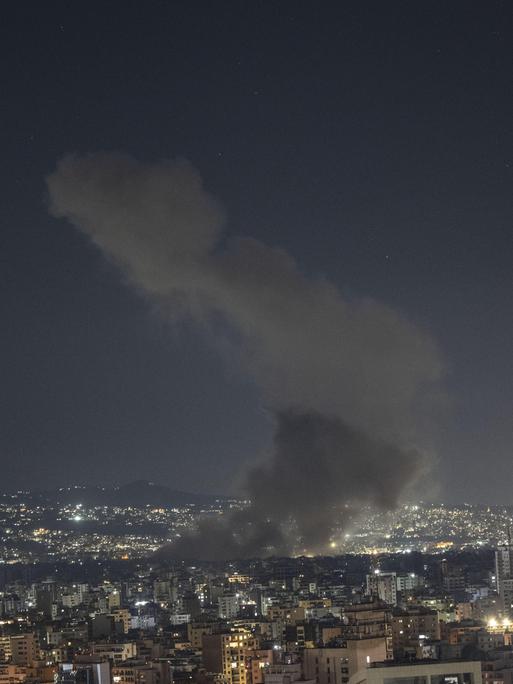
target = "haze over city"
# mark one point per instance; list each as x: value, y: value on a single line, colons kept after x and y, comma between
x: 340, y: 245
x: 257, y: 385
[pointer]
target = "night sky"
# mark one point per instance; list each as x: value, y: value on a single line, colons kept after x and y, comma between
x: 372, y: 141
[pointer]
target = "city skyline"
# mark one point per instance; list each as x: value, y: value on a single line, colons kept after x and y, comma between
x: 255, y: 364
x: 140, y: 521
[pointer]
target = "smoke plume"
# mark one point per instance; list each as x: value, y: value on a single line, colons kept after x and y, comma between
x: 347, y: 379
x: 319, y: 466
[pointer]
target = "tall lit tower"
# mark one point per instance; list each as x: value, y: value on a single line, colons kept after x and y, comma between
x: 504, y: 574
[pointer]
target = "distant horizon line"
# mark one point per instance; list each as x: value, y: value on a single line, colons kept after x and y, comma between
x: 226, y: 497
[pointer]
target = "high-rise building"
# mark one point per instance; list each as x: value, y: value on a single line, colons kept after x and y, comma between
x: 191, y: 604
x: 161, y: 591
x: 197, y: 628
x: 412, y: 627
x: 371, y: 619
x: 227, y: 653
x: 122, y: 615
x: 365, y: 638
x: 24, y: 649
x: 504, y: 576
x: 503, y: 564
x: 5, y: 648
x: 383, y: 585
x: 409, y: 581
x: 506, y: 596
x: 228, y: 606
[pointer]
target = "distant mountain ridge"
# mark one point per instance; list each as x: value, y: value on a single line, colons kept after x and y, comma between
x: 137, y: 493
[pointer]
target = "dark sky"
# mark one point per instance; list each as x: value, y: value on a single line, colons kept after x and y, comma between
x: 373, y: 141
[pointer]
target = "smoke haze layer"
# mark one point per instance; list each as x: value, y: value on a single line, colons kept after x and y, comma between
x: 319, y: 467
x: 345, y: 377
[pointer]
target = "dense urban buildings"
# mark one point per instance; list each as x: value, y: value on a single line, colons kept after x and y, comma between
x: 118, y: 614
x: 256, y: 247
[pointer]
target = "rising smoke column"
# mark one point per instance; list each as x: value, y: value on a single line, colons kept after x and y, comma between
x: 318, y: 465
x: 344, y: 377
